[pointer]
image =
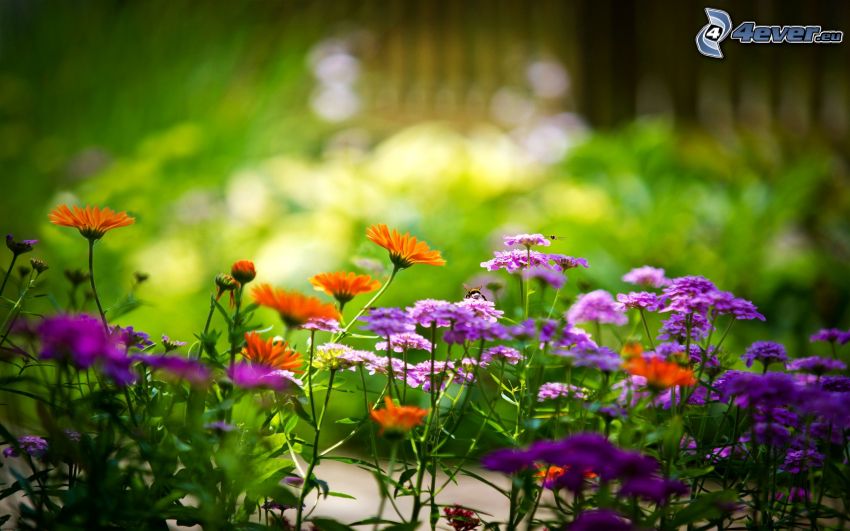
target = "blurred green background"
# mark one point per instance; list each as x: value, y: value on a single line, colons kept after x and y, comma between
x: 277, y: 131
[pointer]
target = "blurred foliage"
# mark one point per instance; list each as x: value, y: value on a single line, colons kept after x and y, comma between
x: 199, y: 125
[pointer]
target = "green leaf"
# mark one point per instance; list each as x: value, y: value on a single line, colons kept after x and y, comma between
x: 706, y: 507
x: 341, y: 495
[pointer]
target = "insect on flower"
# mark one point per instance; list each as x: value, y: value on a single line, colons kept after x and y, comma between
x: 474, y: 293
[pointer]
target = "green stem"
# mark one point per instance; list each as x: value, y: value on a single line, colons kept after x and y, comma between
x: 369, y: 304
x: 94, y: 288
x: 314, y: 459
x: 8, y: 272
x: 646, y: 328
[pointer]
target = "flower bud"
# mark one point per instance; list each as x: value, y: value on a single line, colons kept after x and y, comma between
x: 19, y: 247
x: 39, y: 265
x: 243, y: 271
x: 225, y: 282
x: 76, y: 276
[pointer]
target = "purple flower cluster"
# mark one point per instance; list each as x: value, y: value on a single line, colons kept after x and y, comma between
x: 527, y: 240
x: 518, y: 260
x: 647, y: 276
x: 596, y: 519
x: 131, y: 338
x: 32, y: 445
x: 250, y: 376
x: 549, y: 277
x: 590, y: 453
x: 405, y: 341
x: 82, y: 341
x: 193, y: 371
x: 320, y: 324
x: 765, y: 352
x: 831, y: 335
x: 386, y: 322
x: 596, y: 306
x: 676, y: 327
x: 509, y: 355
x: 816, y: 365
x: 553, y: 390
x: 601, y: 358
x: 639, y: 300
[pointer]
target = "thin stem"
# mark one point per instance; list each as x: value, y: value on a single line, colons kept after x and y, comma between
x: 8, y: 272
x: 93, y: 287
x: 314, y: 459
x: 369, y: 304
x: 646, y: 328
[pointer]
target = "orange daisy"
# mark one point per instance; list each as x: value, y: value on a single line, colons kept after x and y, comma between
x: 397, y: 420
x: 660, y: 374
x: 404, y: 250
x: 271, y: 353
x: 344, y: 286
x: 92, y: 222
x: 294, y: 308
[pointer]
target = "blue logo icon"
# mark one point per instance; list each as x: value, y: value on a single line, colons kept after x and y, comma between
x: 712, y: 34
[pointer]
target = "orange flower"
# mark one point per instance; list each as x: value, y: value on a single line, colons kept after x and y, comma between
x: 660, y: 374
x: 243, y: 271
x: 397, y: 420
x: 404, y: 250
x: 271, y: 353
x: 631, y: 349
x: 294, y: 308
x: 344, y: 286
x: 550, y: 474
x: 92, y: 222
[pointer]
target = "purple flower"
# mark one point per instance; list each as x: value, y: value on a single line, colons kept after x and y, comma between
x: 388, y: 322
x: 131, y: 338
x: 836, y: 384
x: 676, y: 326
x: 816, y: 365
x: 220, y: 426
x: 171, y: 344
x: 406, y: 341
x: 798, y: 461
x: 32, y: 445
x: 430, y: 311
x: 651, y: 277
x: 548, y: 329
x: 554, y: 279
x: 321, y: 324
x: 507, y: 460
x: 527, y: 240
x: 565, y: 263
x: 795, y: 494
x: 81, y: 341
x: 766, y: 352
x: 602, y: 358
x: 693, y: 294
x: 598, y: 306
x: 553, y: 390
x: 480, y: 309
x: 193, y: 371
x: 476, y: 329
x: 19, y: 247
x: 831, y: 335
x: 516, y: 260
x: 773, y: 389
x: 725, y: 303
x: 248, y: 376
x: 597, y: 519
x: 508, y: 354
x: 523, y: 331
x: 572, y: 336
x: 655, y: 489
x: 639, y: 300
